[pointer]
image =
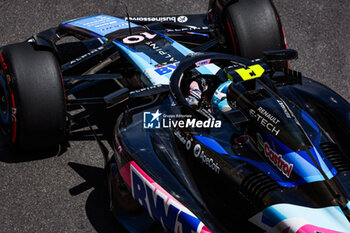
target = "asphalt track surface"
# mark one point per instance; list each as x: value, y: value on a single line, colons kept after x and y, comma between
x: 66, y: 193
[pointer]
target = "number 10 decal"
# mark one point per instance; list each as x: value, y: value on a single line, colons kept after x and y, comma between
x: 134, y: 39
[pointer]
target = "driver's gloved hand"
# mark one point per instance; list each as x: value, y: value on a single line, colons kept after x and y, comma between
x: 196, y: 89
x: 195, y: 94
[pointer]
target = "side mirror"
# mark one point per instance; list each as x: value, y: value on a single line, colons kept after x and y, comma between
x: 280, y: 55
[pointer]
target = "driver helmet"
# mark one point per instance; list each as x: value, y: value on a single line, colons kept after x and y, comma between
x: 219, y: 100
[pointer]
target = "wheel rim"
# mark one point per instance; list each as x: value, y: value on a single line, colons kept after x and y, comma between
x: 4, y: 102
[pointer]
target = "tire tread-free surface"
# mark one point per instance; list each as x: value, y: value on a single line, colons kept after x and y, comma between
x: 39, y: 96
x: 255, y: 27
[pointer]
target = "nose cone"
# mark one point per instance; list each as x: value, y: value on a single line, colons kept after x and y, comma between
x: 288, y: 218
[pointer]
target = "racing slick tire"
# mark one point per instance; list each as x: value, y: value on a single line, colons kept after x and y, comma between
x: 253, y: 27
x: 32, y: 99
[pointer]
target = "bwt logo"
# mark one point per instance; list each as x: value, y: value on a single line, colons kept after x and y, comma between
x: 152, y: 120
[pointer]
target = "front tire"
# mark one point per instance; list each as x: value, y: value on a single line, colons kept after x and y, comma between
x: 32, y: 99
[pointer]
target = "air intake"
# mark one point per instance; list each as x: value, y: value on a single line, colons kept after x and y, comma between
x: 332, y: 152
x: 256, y: 186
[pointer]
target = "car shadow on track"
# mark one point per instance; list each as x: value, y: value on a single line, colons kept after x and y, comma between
x: 97, y: 205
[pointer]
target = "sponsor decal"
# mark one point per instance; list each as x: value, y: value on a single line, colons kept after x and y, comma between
x: 99, y: 24
x: 182, y: 19
x: 159, y: 203
x: 157, y: 120
x: 86, y: 55
x: 109, y: 27
x: 254, y: 71
x: 260, y: 143
x: 152, y: 19
x: 284, y: 108
x: 14, y: 118
x: 145, y: 89
x: 101, y: 21
x: 198, y: 152
x: 265, y: 119
x: 276, y: 159
x: 167, y: 69
x: 268, y: 115
x: 203, y: 62
x: 187, y: 29
x: 13, y: 114
x: 333, y: 100
x: 134, y: 39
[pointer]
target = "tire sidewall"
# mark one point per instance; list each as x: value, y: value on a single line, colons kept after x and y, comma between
x: 35, y: 91
x: 233, y: 30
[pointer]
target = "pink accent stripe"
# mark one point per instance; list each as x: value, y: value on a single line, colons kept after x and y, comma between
x: 311, y: 229
x: 125, y: 173
x: 205, y: 230
x: 149, y: 179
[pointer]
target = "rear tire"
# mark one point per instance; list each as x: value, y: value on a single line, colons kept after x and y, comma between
x: 33, y: 109
x: 252, y: 27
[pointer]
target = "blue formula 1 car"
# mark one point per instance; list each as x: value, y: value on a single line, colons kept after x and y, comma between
x: 212, y: 130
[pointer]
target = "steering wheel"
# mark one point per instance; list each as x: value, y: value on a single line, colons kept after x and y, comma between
x: 180, y: 79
